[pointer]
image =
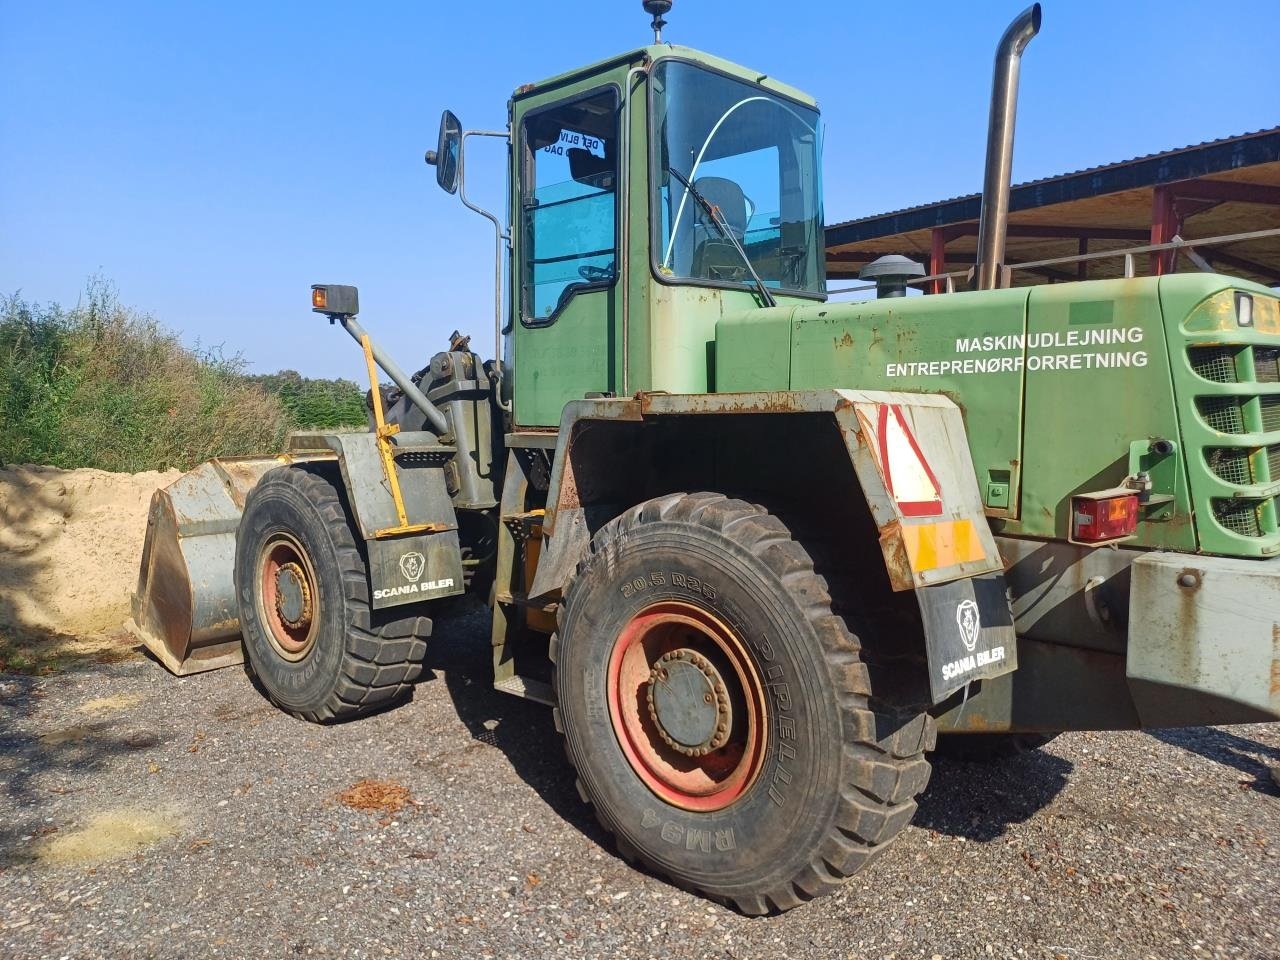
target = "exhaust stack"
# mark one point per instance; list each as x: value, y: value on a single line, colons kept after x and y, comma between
x: 994, y: 219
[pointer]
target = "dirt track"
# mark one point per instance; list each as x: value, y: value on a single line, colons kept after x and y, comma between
x: 145, y: 816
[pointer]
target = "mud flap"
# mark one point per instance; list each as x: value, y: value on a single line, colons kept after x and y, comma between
x: 969, y: 632
x: 410, y: 569
x: 912, y: 459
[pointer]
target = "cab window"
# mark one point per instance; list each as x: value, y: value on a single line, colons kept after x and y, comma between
x: 569, y: 203
x: 753, y: 155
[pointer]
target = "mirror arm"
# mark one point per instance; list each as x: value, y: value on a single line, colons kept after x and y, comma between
x: 501, y: 237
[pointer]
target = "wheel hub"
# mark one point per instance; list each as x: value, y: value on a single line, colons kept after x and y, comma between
x: 293, y: 597
x: 689, y: 703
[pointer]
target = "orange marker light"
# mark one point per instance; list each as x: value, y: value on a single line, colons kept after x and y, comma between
x: 319, y: 298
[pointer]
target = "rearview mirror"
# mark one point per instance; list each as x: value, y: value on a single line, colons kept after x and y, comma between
x: 448, y: 152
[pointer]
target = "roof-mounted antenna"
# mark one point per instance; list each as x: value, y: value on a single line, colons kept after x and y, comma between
x: 657, y: 8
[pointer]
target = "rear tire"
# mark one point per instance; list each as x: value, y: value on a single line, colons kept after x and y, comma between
x: 805, y: 784
x: 989, y: 747
x: 312, y: 641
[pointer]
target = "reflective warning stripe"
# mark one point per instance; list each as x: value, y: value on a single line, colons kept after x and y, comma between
x: 907, y: 473
x: 941, y: 544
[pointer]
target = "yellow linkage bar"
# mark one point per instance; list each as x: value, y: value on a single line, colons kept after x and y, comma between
x: 384, y: 433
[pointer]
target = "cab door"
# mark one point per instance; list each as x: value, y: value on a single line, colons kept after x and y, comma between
x: 566, y: 253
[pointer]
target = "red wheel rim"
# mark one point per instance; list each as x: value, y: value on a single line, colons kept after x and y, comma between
x: 288, y: 597
x: 727, y: 764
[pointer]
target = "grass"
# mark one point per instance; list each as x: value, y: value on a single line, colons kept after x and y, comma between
x: 316, y: 404
x: 103, y: 385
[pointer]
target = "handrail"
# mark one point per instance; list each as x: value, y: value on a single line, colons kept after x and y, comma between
x: 1175, y: 244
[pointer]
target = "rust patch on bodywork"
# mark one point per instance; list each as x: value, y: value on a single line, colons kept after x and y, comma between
x: 1182, y: 641
x: 896, y: 561
x: 772, y: 402
x: 568, y: 498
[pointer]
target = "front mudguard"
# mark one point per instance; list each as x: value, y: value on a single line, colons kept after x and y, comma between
x: 912, y: 466
x: 403, y: 568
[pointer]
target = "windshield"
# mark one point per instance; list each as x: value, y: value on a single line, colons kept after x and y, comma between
x: 754, y: 156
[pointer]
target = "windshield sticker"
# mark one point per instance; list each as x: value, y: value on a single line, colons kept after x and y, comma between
x: 571, y: 138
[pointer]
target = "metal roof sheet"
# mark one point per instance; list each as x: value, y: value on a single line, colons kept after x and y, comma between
x: 1259, y: 146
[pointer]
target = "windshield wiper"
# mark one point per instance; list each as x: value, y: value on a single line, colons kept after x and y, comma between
x: 713, y: 212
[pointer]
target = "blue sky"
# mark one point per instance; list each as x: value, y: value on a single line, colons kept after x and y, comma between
x: 215, y: 159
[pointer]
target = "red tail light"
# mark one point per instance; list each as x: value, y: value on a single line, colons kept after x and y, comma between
x: 1100, y: 517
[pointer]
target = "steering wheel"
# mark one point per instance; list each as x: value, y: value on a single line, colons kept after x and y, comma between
x: 594, y: 274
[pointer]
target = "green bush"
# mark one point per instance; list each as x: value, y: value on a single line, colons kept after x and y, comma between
x: 102, y: 385
x: 316, y: 404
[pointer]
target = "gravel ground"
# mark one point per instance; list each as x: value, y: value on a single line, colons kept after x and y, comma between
x: 145, y: 816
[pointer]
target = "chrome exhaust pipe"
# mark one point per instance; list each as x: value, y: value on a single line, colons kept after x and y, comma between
x: 993, y: 222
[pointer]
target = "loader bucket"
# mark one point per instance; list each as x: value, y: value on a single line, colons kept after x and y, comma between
x: 184, y: 609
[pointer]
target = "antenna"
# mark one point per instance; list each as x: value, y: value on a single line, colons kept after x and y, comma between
x: 657, y: 8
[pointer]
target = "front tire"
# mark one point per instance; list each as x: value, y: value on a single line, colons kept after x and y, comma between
x: 312, y: 641
x: 718, y: 712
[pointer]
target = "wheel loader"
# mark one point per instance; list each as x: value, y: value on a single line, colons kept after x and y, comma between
x: 762, y: 552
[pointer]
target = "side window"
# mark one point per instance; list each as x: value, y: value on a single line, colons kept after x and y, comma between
x: 568, y: 196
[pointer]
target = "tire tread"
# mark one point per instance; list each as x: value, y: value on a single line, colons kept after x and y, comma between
x: 382, y: 657
x: 883, y: 759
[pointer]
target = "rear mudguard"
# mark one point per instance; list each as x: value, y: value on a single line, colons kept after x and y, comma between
x: 911, y: 459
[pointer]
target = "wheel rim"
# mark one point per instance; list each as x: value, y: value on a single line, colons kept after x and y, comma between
x: 288, y: 597
x: 687, y: 706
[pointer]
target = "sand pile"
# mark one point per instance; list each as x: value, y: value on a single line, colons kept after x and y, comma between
x: 70, y: 543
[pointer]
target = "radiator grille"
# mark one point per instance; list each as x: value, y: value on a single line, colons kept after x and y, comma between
x: 1239, y: 516
x: 1266, y: 364
x: 1224, y: 414
x: 1239, y: 466
x: 1270, y: 413
x: 1230, y: 464
x: 1214, y: 363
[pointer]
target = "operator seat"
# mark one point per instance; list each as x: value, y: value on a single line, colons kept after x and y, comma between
x: 585, y: 167
x: 714, y: 256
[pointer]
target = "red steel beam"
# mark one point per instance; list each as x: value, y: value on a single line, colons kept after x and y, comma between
x: 937, y: 257
x: 1164, y: 226
x: 1226, y: 191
